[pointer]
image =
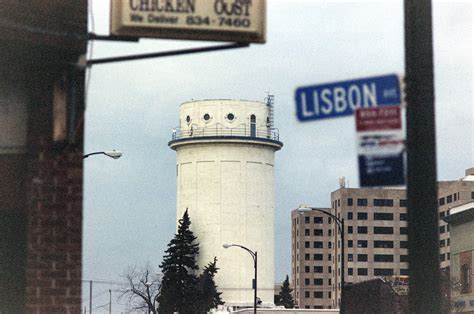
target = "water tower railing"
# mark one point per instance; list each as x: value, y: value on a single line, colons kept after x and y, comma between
x: 219, y: 130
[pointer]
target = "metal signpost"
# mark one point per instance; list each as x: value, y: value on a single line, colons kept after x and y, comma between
x: 340, y: 99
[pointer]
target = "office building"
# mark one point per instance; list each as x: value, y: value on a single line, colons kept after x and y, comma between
x: 376, y: 237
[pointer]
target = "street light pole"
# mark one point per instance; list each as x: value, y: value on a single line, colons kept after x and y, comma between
x: 340, y: 226
x: 254, y: 257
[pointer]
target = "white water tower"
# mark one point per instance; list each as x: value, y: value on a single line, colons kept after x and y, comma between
x: 225, y: 157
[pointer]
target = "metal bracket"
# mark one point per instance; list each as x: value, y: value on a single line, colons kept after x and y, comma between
x: 165, y: 53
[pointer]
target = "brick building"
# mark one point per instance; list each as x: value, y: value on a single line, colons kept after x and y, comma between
x: 376, y: 239
x: 41, y: 115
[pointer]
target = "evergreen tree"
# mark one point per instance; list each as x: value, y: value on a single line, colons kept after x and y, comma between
x: 284, y: 297
x: 209, y: 298
x: 178, y: 287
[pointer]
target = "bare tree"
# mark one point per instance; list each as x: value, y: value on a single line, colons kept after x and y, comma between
x: 143, y: 289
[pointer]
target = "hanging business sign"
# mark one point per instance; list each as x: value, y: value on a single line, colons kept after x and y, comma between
x: 217, y: 20
x: 381, y: 147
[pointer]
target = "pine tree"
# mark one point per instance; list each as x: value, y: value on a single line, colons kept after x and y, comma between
x: 209, y: 298
x: 178, y: 287
x: 284, y: 297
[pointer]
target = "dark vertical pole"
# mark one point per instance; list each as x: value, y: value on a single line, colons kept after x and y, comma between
x: 342, y: 267
x: 255, y: 288
x: 424, y: 289
x: 90, y: 297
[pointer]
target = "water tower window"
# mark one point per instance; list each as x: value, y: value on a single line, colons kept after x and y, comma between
x: 206, y: 117
x: 230, y: 117
x: 188, y: 119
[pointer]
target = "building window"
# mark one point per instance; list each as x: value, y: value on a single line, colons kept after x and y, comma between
x: 442, y: 243
x: 350, y: 229
x: 318, y: 282
x: 329, y: 232
x: 403, y: 203
x: 383, y: 258
x: 329, y: 220
x: 350, y: 243
x: 306, y: 282
x: 465, y: 278
x: 318, y: 232
x: 350, y: 257
x: 329, y: 257
x: 404, y: 258
x: 339, y: 202
x: 362, y: 271
x: 329, y: 282
x: 329, y: 269
x: 318, y: 244
x: 442, y: 257
x: 383, y: 230
x: 472, y: 195
x: 306, y: 244
x: 361, y: 243
x: 383, y: 216
x: 318, y: 294
x: 306, y: 220
x: 362, y: 202
x: 441, y: 201
x: 317, y: 269
x: 350, y: 271
x: 318, y: 220
x: 362, y: 257
x: 383, y: 202
x: 403, y: 271
x: 403, y: 230
x: 362, y: 230
x: 206, y: 117
x: 442, y: 214
x: 449, y: 199
x: 230, y: 116
x: 306, y: 232
x: 306, y: 295
x: 349, y: 202
x: 306, y: 257
x: 330, y: 245
x: 383, y: 244
x: 383, y: 272
x: 362, y: 216
x: 349, y: 216
x: 318, y: 257
x: 404, y: 244
x: 403, y: 216
x: 455, y: 197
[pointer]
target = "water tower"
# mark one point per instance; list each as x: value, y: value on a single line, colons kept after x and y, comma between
x: 225, y: 157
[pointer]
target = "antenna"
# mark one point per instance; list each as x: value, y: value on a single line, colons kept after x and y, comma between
x: 270, y: 101
x: 342, y: 182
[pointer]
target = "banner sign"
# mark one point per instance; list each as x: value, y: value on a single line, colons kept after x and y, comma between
x: 381, y: 147
x: 219, y: 20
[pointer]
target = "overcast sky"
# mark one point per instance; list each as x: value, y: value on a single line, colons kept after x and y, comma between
x: 130, y: 203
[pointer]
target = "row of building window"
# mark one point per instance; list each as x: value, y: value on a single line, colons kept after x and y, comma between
x: 377, y: 272
x: 448, y: 199
x: 382, y: 258
x: 316, y: 220
x: 317, y: 257
x: 377, y: 244
x: 377, y: 202
x: 376, y: 230
x: 376, y: 216
x: 317, y: 232
x: 316, y: 294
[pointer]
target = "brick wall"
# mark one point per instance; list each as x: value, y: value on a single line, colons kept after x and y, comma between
x: 53, y: 211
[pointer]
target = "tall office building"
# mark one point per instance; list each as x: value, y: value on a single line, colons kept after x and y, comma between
x: 376, y: 238
x: 225, y: 179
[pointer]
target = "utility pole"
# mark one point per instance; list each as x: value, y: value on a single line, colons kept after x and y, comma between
x: 90, y: 297
x: 110, y: 301
x: 423, y: 250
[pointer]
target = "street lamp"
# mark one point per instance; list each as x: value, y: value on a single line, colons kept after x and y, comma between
x: 115, y: 154
x: 340, y: 225
x: 254, y: 257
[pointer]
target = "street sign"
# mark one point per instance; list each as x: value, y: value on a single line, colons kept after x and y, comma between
x: 343, y: 98
x: 221, y: 20
x: 381, y: 146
